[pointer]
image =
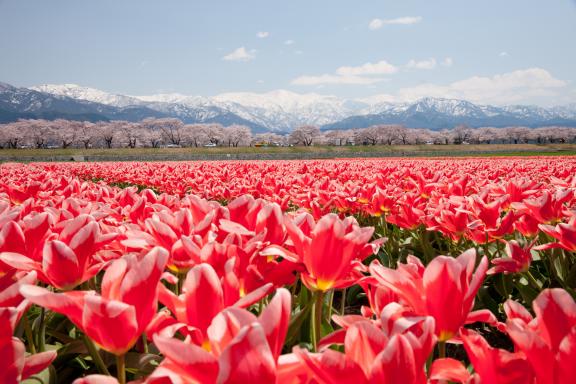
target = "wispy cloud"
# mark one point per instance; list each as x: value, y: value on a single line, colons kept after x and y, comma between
x: 503, y: 53
x: 380, y: 68
x: 262, y: 34
x: 329, y: 79
x: 289, y: 42
x: 422, y: 64
x: 240, y: 54
x: 407, y: 20
x: 369, y: 73
x: 447, y: 62
x: 511, y: 87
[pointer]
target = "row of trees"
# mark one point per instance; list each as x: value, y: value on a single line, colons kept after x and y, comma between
x: 173, y: 133
x: 400, y: 135
x: 147, y: 133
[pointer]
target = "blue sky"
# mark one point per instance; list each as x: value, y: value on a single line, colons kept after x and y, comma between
x: 486, y: 51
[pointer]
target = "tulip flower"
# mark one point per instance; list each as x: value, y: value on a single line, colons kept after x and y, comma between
x: 63, y: 260
x: 445, y: 289
x: 328, y: 250
x: 517, y: 259
x: 241, y: 349
x: 495, y: 365
x: 203, y: 289
x: 548, y: 208
x: 565, y: 233
x: 549, y: 339
x: 120, y: 315
x: 392, y: 350
x: 15, y: 365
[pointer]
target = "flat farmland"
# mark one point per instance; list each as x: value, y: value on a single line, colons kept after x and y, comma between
x: 201, y: 153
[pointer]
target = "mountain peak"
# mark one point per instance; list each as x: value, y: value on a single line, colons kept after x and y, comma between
x: 283, y: 110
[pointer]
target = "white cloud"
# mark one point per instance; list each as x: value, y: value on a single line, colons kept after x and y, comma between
x: 240, y: 54
x: 262, y: 34
x: 512, y: 87
x: 422, y: 64
x: 289, y: 42
x: 503, y: 53
x: 298, y: 52
x: 335, y: 80
x: 447, y: 62
x: 375, y: 24
x: 380, y: 68
x: 407, y: 20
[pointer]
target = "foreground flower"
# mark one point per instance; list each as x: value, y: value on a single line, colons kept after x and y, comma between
x: 445, y: 289
x: 203, y: 297
x: 391, y: 350
x: 328, y: 249
x: 128, y: 302
x: 549, y: 339
x: 491, y: 365
x: 15, y: 365
x: 241, y: 348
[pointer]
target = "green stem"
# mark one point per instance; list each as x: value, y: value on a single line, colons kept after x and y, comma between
x: 343, y: 303
x: 144, y: 343
x: 28, y: 332
x: 533, y: 282
x: 96, y: 356
x: 441, y: 349
x: 317, y: 318
x: 121, y: 368
x: 42, y: 331
x: 181, y: 278
x: 330, y: 300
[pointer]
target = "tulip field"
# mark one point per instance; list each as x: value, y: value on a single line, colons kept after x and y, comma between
x: 353, y: 271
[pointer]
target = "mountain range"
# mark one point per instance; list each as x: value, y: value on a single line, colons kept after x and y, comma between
x: 276, y: 111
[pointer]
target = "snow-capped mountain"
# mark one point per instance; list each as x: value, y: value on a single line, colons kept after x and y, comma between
x: 286, y: 110
x: 85, y: 93
x: 439, y: 113
x: 23, y: 103
x: 283, y: 110
x: 190, y: 109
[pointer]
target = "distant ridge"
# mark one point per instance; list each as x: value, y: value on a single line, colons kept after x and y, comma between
x: 276, y: 111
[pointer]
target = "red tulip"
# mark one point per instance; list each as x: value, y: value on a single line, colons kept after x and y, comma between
x: 63, y: 260
x: 203, y: 289
x: 565, y: 233
x: 495, y: 365
x: 549, y: 339
x: 444, y: 290
x: 241, y: 349
x: 15, y: 365
x: 518, y: 259
x: 450, y: 370
x: 328, y: 250
x: 129, y: 300
x: 548, y: 208
x: 392, y: 349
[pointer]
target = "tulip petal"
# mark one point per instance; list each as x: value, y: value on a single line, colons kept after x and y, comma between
x: 247, y: 359
x: 275, y: 319
x: 191, y: 360
x: 111, y: 324
x: 37, y: 363
x: 449, y: 370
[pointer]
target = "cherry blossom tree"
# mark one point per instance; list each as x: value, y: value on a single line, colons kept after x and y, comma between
x: 236, y: 134
x: 305, y: 135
